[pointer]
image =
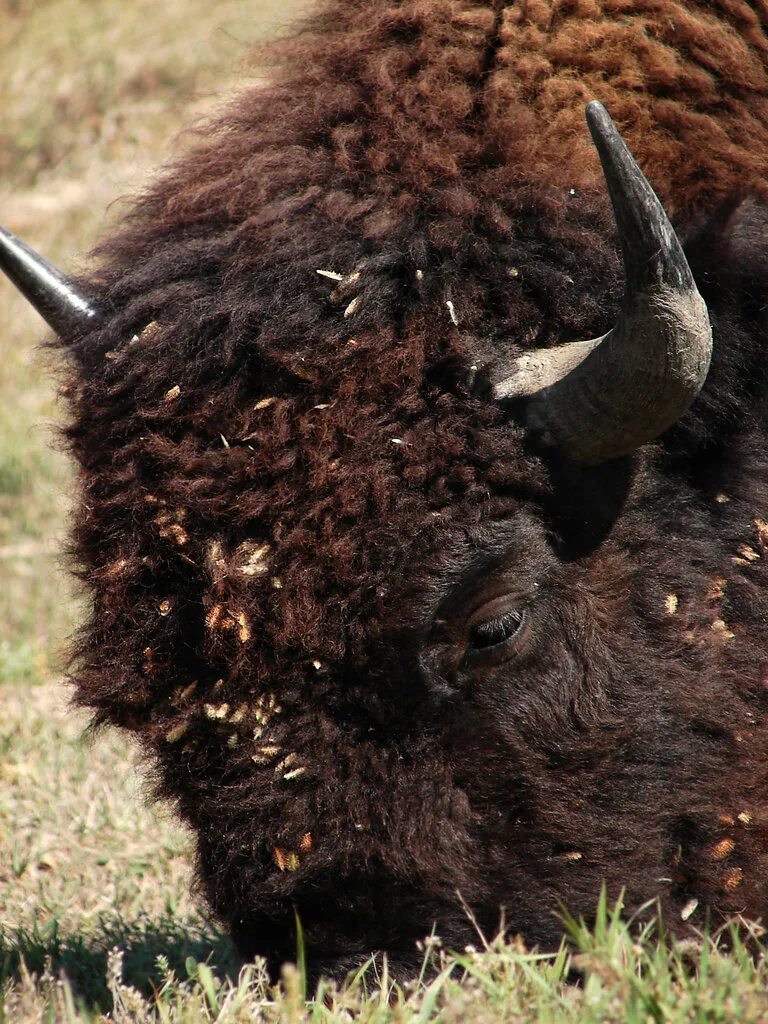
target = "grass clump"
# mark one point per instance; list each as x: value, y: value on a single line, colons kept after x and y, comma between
x: 608, y: 973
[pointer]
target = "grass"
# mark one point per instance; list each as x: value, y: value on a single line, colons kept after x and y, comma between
x: 97, y: 912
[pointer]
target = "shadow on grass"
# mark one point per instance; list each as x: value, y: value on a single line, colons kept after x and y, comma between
x: 83, y: 957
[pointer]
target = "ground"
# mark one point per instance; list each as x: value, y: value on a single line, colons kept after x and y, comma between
x: 96, y: 909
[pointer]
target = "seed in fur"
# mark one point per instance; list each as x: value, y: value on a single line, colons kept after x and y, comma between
x: 277, y: 583
x: 286, y: 762
x: 172, y: 393
x: 150, y: 331
x: 573, y: 856
x: 187, y: 692
x: 513, y: 272
x: 722, y: 849
x: 239, y: 714
x: 265, y: 754
x: 722, y: 499
x: 179, y: 534
x: 253, y: 560
x: 290, y: 776
x: 265, y: 707
x: 689, y: 909
x: 305, y: 843
x: 279, y: 857
x: 748, y: 553
x: 721, y: 629
x: 732, y: 879
x: 176, y: 732
x: 671, y: 603
x: 165, y: 606
x: 243, y: 629
x: 745, y: 818
x: 726, y: 819
x: 352, y: 307
x: 233, y: 740
x: 264, y: 403
x: 213, y: 616
x: 419, y: 275
x: 452, y: 313
x: 716, y: 590
x: 330, y: 274
x: 317, y: 665
x: 761, y: 530
x: 216, y: 712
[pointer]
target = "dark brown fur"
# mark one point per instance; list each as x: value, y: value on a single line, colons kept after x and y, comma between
x: 290, y: 498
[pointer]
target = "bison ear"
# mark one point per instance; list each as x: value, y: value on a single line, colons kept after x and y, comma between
x: 54, y: 296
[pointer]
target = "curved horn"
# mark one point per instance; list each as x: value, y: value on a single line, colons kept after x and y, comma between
x: 52, y: 294
x: 604, y: 398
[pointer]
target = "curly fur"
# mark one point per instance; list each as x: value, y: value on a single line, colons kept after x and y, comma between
x: 288, y: 489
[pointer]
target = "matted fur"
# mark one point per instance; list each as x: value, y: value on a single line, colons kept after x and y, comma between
x: 288, y: 486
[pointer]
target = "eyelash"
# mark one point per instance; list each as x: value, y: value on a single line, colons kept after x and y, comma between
x: 495, y: 632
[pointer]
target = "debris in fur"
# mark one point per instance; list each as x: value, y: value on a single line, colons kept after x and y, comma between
x: 216, y: 712
x: 452, y: 313
x: 352, y: 307
x: 175, y: 734
x: 213, y: 617
x: 732, y: 879
x: 689, y: 909
x: 721, y: 629
x: 722, y: 849
x: 265, y: 754
x: 747, y: 553
x: 716, y: 590
x: 671, y: 603
x: 286, y: 762
x: 252, y: 558
x: 172, y: 393
x: 243, y: 629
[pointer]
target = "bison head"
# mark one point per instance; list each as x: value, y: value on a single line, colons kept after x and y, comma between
x: 388, y: 576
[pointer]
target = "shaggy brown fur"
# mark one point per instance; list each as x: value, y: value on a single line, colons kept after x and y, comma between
x: 291, y: 502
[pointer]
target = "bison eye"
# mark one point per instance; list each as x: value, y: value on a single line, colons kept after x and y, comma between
x: 497, y: 631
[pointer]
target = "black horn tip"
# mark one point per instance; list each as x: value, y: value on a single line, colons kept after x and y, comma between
x: 52, y: 294
x: 652, y: 252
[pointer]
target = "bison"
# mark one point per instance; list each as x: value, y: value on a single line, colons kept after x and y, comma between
x: 417, y: 598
